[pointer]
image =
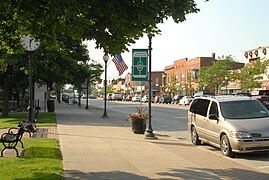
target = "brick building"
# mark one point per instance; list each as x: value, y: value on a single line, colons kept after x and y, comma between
x: 186, y: 72
x: 137, y: 87
x: 187, y: 68
x: 260, y: 53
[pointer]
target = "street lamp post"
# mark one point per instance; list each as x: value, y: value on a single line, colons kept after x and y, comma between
x: 105, y: 58
x: 87, y: 95
x: 149, y: 132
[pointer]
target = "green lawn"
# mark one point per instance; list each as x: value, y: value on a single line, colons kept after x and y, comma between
x: 42, y: 160
x: 44, y: 119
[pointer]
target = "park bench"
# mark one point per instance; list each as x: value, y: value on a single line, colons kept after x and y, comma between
x: 14, y: 135
x: 11, y: 139
x: 30, y: 129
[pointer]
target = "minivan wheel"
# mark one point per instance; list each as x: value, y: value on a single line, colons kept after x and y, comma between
x: 226, y: 147
x: 194, y: 136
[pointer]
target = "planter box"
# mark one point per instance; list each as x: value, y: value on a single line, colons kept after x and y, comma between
x: 139, y: 126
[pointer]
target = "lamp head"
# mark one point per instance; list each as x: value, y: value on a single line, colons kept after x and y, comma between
x: 105, y: 58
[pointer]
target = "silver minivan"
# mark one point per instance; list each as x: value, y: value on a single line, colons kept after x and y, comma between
x: 235, y: 124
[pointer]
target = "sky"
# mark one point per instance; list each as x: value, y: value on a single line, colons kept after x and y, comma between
x: 225, y: 27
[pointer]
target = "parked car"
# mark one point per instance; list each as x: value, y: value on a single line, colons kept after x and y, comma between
x: 128, y: 98
x: 176, y: 99
x: 165, y: 99
x: 109, y: 96
x: 117, y: 96
x: 203, y: 93
x: 243, y: 94
x: 136, y: 98
x: 156, y: 99
x: 145, y: 98
x: 235, y: 124
x: 92, y: 96
x: 72, y: 100
x: 65, y: 97
x: 185, y: 100
x: 263, y: 99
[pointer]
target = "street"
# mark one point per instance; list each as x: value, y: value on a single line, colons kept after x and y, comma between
x: 171, y: 120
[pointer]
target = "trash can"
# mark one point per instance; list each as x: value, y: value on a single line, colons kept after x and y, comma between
x: 50, y: 105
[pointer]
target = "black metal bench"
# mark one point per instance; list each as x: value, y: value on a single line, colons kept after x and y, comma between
x: 14, y: 135
x: 30, y: 129
x: 11, y: 139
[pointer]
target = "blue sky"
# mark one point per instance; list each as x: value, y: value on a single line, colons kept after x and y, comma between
x: 225, y: 27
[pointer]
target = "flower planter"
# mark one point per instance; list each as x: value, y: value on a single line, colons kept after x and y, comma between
x: 139, y: 126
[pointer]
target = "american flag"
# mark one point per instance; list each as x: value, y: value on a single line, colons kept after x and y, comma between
x: 120, y: 64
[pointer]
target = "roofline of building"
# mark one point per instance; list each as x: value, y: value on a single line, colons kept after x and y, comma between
x: 261, y: 47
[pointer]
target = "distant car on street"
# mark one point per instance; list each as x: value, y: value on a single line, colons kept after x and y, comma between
x: 243, y: 94
x: 156, y: 99
x: 117, y: 96
x: 136, y: 98
x: 165, y: 99
x: 128, y: 98
x: 109, y: 96
x: 176, y: 99
x: 185, y: 100
x: 73, y: 100
x: 145, y: 98
x: 92, y: 96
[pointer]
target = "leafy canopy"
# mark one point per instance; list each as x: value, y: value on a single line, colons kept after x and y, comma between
x: 113, y: 24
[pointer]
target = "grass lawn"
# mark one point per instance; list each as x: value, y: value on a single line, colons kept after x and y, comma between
x: 42, y: 160
x: 44, y: 119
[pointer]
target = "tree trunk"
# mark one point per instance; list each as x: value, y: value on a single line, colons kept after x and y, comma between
x: 6, y: 92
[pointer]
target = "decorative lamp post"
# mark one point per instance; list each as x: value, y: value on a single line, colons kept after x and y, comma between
x: 105, y: 58
x: 149, y: 132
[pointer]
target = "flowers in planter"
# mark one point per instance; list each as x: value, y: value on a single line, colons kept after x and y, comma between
x: 140, y: 114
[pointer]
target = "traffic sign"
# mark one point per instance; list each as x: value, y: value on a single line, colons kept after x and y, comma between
x: 140, y: 65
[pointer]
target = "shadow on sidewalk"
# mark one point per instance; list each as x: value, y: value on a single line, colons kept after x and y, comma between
x: 203, y: 173
x: 72, y: 174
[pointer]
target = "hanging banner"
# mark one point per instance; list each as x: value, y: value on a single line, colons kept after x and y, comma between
x: 140, y: 65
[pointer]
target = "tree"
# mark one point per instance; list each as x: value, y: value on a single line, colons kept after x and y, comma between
x: 113, y: 24
x: 12, y: 76
x: 216, y: 76
x: 249, y: 77
x: 188, y: 85
x: 173, y: 87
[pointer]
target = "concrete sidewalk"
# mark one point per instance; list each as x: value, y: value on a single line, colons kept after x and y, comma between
x: 96, y: 148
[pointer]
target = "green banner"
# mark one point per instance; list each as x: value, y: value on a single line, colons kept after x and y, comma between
x: 140, y: 65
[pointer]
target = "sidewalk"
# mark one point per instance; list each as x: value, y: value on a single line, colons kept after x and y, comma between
x: 96, y: 148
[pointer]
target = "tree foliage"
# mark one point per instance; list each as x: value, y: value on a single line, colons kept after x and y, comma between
x: 216, y: 76
x: 113, y: 24
x: 62, y: 26
x: 174, y: 86
x: 249, y: 77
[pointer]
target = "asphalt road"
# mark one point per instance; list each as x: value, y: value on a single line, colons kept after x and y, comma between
x: 172, y: 120
x: 169, y: 119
